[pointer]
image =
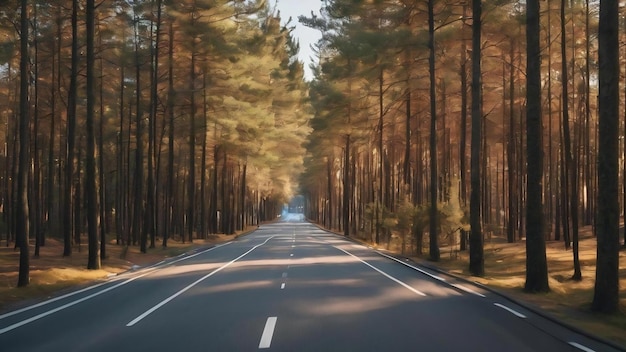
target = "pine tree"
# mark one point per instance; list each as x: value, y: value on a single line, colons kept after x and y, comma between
x: 606, y: 290
x: 536, y: 262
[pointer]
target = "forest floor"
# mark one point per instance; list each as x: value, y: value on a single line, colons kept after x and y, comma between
x: 569, y: 301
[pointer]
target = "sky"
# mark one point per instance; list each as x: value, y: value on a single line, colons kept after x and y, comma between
x: 306, y: 36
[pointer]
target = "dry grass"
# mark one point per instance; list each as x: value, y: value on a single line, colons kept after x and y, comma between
x: 568, y: 300
x: 51, y: 272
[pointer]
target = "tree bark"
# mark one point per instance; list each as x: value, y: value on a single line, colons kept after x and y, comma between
x: 150, y: 215
x: 606, y: 290
x: 463, y: 123
x: 434, y: 213
x: 22, y: 216
x: 169, y: 216
x: 91, y: 184
x: 570, y: 165
x: 138, y: 205
x: 477, y: 260
x: 536, y: 262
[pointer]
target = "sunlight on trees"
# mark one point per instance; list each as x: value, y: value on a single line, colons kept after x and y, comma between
x: 124, y: 122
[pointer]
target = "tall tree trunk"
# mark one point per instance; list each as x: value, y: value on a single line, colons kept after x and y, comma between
x: 79, y: 197
x: 169, y: 216
x: 463, y: 123
x: 71, y: 139
x: 213, y: 218
x: 91, y: 184
x: 150, y: 215
x: 589, y: 184
x: 381, y: 179
x: 191, y: 185
x: 203, y: 176
x: 22, y: 216
x: 138, y: 204
x: 121, y: 193
x: 606, y: 290
x: 243, y: 194
x: 477, y: 260
x: 101, y: 174
x: 329, y: 194
x: 624, y: 161
x: 35, y: 199
x: 511, y: 155
x: 552, y: 190
x: 564, y: 192
x: 346, y: 187
x: 434, y: 213
x: 570, y: 166
x: 50, y: 184
x: 536, y: 262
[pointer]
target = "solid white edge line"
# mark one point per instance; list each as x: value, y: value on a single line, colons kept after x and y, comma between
x: 581, y: 347
x: 268, y: 332
x: 412, y: 267
x: 52, y: 300
x: 199, y: 253
x: 168, y: 299
x: 463, y: 288
x: 383, y: 273
x: 45, y: 314
x: 439, y: 278
x: 514, y: 312
x: 6, y: 315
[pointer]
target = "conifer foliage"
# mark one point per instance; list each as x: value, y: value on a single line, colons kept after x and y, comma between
x: 155, y: 119
x: 389, y: 150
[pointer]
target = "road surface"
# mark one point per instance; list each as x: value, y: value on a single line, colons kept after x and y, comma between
x: 288, y: 286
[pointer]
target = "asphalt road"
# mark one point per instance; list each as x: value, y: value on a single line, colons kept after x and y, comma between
x: 286, y: 287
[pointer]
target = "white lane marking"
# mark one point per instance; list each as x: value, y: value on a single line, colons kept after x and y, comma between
x: 292, y: 246
x: 581, y: 347
x: 60, y: 308
x: 37, y: 317
x: 412, y: 267
x: 165, y: 301
x: 196, y: 254
x: 50, y: 301
x: 383, y: 273
x: 514, y: 312
x: 291, y: 255
x: 463, y: 288
x: 282, y: 286
x: 439, y: 278
x: 268, y: 333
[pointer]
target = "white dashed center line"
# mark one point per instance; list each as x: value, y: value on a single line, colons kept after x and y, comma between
x: 268, y: 332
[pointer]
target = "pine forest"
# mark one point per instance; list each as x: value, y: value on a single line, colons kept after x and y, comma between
x: 130, y: 123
